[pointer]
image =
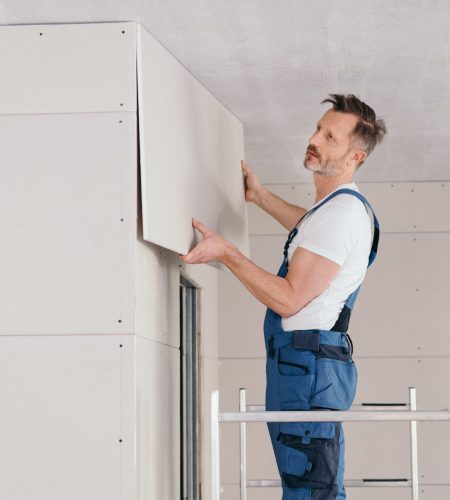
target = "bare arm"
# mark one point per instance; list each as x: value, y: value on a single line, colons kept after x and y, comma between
x: 308, y: 276
x: 285, y: 213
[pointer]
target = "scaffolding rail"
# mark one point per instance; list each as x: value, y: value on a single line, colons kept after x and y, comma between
x: 359, y: 413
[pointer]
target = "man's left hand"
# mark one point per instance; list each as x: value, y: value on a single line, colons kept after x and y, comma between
x: 211, y: 248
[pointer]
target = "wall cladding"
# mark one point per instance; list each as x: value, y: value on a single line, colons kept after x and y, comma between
x: 191, y: 148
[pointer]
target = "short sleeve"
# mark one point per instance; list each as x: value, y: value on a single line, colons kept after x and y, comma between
x: 333, y: 230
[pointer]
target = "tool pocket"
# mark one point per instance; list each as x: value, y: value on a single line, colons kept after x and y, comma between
x: 296, y: 374
x: 334, y: 385
x: 310, y: 455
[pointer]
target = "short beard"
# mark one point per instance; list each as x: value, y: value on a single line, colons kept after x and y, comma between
x: 330, y: 168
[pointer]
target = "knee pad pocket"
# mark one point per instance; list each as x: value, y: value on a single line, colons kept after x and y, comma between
x: 310, y: 455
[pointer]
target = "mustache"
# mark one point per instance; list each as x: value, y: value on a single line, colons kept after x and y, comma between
x: 313, y: 151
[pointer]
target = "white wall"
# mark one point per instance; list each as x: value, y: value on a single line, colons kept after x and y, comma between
x: 398, y: 329
x: 67, y: 198
x: 89, y: 311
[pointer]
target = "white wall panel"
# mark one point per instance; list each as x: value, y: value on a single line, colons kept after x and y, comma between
x: 68, y: 68
x: 400, y: 207
x: 405, y: 298
x: 191, y: 148
x: 67, y: 401
x: 157, y: 292
x: 241, y: 319
x: 68, y: 204
x: 158, y: 420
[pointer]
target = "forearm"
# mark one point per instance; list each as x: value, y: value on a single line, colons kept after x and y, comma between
x: 285, y: 213
x: 273, y: 291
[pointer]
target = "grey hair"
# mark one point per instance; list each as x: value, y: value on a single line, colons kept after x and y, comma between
x: 368, y: 131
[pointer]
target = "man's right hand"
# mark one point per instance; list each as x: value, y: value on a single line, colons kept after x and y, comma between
x: 253, y: 186
x: 285, y: 213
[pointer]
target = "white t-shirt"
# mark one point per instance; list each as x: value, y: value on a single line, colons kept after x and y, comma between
x: 340, y: 230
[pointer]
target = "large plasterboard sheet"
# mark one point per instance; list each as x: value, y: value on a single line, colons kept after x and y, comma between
x: 67, y: 425
x: 191, y: 147
x: 68, y: 224
x: 67, y: 68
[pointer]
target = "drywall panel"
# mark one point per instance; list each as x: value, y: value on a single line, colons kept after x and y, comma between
x: 401, y: 309
x: 68, y: 204
x: 405, y: 298
x: 400, y: 207
x: 191, y: 147
x: 434, y: 492
x: 158, y: 420
x: 157, y: 292
x: 68, y: 68
x: 241, y: 319
x: 67, y: 403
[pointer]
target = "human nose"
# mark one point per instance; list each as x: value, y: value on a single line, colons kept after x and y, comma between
x: 314, y: 140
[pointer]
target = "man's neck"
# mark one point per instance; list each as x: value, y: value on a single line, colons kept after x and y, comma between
x: 326, y: 185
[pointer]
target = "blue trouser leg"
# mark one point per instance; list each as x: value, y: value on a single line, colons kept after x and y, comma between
x: 341, y: 466
x: 309, y: 455
x: 310, y: 468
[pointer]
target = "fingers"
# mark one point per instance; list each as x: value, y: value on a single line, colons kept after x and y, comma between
x: 245, y: 167
x: 193, y: 257
x: 200, y: 227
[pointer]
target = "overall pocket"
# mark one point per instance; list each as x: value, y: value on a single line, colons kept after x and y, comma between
x: 310, y: 454
x: 295, y: 377
x: 335, y: 384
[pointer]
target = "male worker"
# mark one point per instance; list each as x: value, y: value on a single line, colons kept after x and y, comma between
x: 309, y: 302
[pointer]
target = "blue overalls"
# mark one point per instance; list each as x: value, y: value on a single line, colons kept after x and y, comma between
x: 311, y: 370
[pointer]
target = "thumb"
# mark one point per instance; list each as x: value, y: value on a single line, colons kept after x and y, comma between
x: 200, y: 227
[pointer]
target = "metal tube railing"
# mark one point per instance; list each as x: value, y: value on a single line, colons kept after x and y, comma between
x: 316, y: 416
x: 414, y: 451
x: 365, y: 482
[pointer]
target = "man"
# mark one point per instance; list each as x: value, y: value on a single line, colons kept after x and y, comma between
x: 309, y: 302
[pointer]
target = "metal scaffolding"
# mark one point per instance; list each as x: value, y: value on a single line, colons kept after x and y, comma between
x: 359, y: 413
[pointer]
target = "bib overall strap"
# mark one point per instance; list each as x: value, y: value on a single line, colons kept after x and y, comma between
x: 343, y: 320
x: 376, y: 234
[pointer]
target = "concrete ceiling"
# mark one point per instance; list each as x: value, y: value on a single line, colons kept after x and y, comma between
x: 272, y: 62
